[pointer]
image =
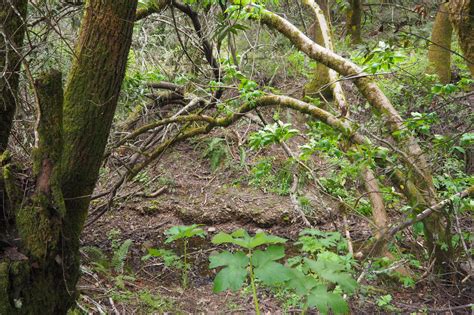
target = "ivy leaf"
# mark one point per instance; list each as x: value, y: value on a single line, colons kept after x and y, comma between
x: 324, y: 300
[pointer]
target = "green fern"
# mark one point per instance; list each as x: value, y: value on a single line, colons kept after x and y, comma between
x: 120, y: 255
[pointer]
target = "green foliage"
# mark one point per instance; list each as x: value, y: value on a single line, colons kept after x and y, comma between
x: 306, y: 278
x: 217, y: 152
x: 305, y: 204
x: 255, y: 264
x: 270, y: 134
x: 419, y: 122
x: 120, y: 255
x: 243, y: 239
x: 383, y: 57
x: 185, y: 232
x: 142, y: 178
x: 176, y: 233
x: 155, y: 302
x: 169, y: 257
x: 450, y: 88
x: 264, y: 176
x: 385, y: 303
x: 97, y: 257
x: 315, y: 241
x: 134, y: 86
x: 299, y: 64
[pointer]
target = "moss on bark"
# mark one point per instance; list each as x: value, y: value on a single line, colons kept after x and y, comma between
x: 461, y: 14
x: 439, y: 55
x: 353, y: 21
x: 90, y: 99
x: 49, y: 228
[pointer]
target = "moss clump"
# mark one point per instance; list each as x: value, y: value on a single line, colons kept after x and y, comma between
x: 38, y: 229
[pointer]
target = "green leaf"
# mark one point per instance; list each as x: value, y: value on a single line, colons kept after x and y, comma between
x: 221, y: 238
x: 272, y: 273
x: 118, y: 260
x: 243, y: 239
x: 183, y: 231
x: 262, y: 238
x: 324, y: 300
x: 301, y: 283
x: 229, y: 278
x: 333, y: 272
x: 235, y: 271
x: 226, y: 258
x: 274, y: 252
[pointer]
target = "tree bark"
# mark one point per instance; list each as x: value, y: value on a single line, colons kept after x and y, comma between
x: 12, y: 17
x: 320, y: 77
x: 323, y: 34
x: 38, y: 275
x: 353, y: 21
x: 439, y: 54
x: 461, y: 14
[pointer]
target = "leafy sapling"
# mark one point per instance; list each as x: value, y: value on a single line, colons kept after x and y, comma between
x: 251, y: 263
x: 322, y: 276
x: 175, y: 233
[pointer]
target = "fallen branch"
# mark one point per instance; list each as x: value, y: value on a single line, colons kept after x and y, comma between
x: 384, y: 238
x: 166, y: 86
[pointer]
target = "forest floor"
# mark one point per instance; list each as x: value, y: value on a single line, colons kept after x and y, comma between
x: 197, y: 195
x: 222, y: 200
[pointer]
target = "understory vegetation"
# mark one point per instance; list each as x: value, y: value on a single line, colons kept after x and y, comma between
x: 250, y: 156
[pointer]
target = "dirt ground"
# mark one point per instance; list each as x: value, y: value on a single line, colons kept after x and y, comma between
x: 222, y: 201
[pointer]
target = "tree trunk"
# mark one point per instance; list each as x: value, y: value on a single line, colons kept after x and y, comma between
x: 439, y: 55
x: 461, y: 14
x: 320, y: 77
x: 39, y: 261
x: 353, y: 21
x: 12, y: 25
x: 324, y: 30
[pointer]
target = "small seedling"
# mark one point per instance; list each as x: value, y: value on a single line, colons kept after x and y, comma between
x: 312, y: 279
x: 175, y: 233
x: 253, y: 264
x: 385, y: 302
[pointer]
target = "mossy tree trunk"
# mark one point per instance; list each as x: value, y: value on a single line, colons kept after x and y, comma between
x: 320, y: 77
x: 461, y: 14
x: 353, y: 21
x: 12, y: 25
x: 439, y: 54
x: 39, y: 257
